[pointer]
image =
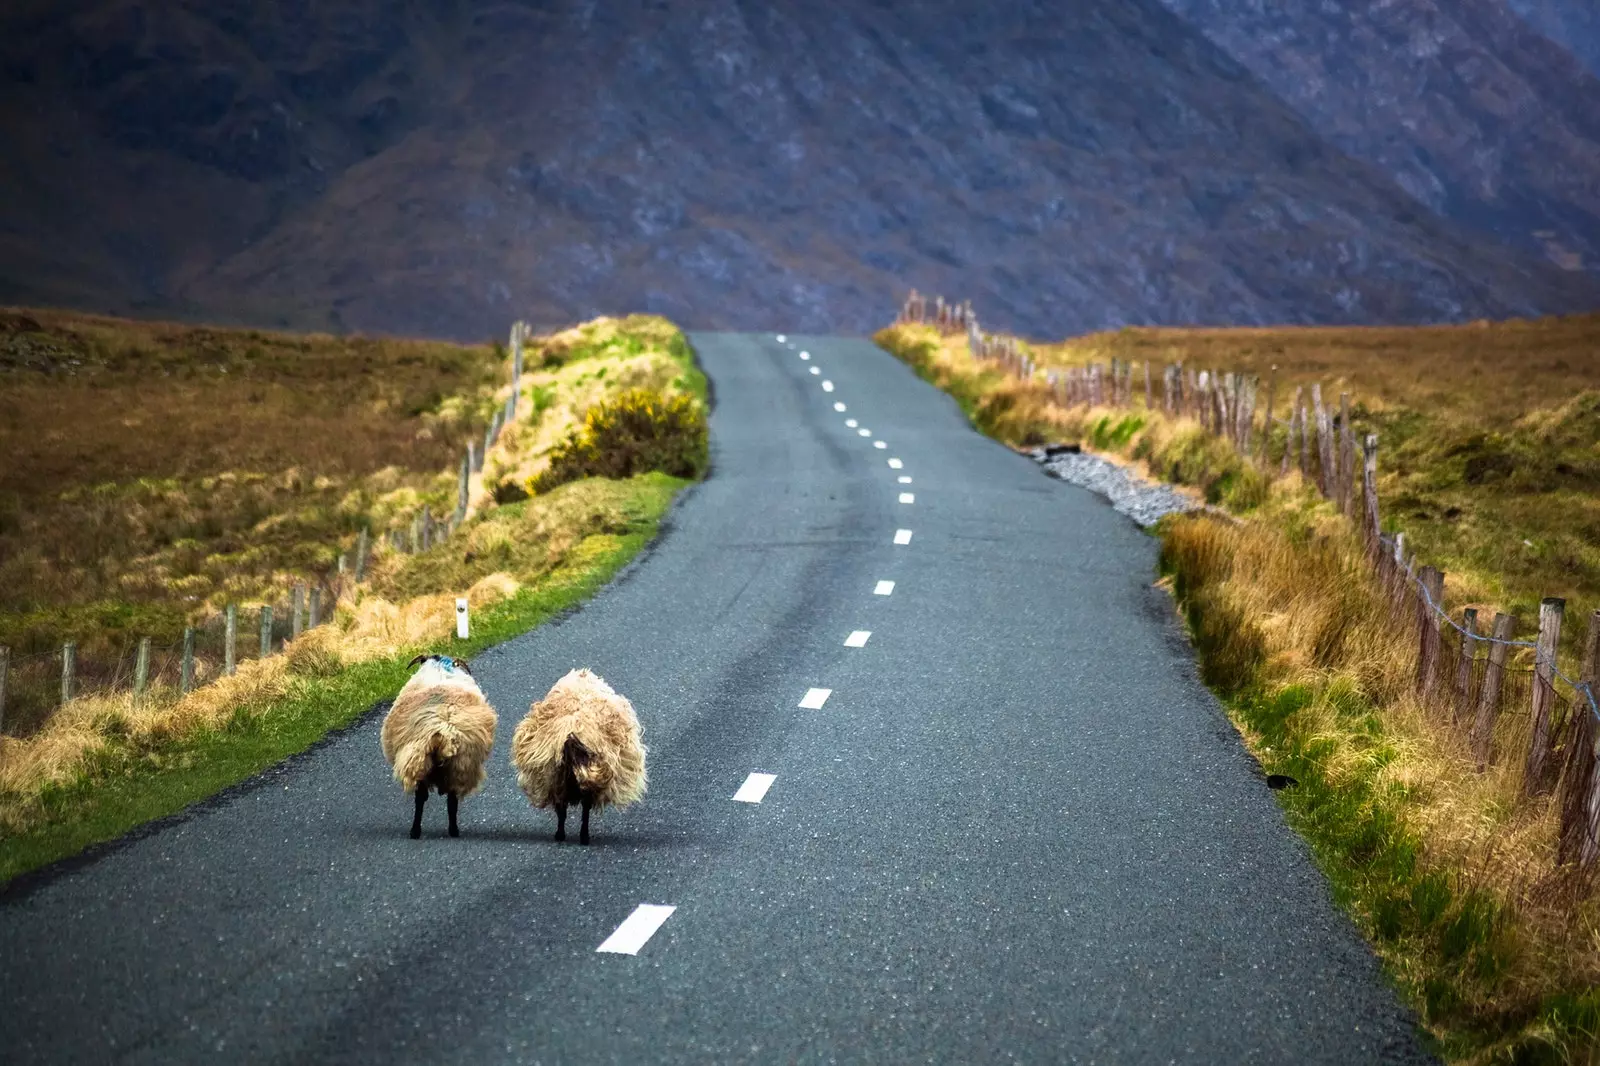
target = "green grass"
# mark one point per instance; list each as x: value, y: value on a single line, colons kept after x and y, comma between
x: 130, y: 788
x: 1282, y: 614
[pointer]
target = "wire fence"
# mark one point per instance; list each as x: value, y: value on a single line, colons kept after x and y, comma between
x: 1522, y: 716
x: 39, y: 679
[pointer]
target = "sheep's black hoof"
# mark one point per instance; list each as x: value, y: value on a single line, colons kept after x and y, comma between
x: 455, y: 831
x: 561, y: 836
x: 416, y: 832
x: 583, y: 838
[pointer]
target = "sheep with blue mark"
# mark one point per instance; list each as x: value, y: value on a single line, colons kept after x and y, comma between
x: 438, y: 734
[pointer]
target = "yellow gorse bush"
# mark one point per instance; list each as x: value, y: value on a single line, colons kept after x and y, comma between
x: 638, y: 431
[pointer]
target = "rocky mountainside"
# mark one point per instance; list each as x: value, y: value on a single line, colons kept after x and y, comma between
x: 1472, y: 111
x: 437, y: 167
x: 1573, y: 24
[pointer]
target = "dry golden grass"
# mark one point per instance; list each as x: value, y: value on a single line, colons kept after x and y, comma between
x: 1450, y: 871
x: 181, y: 468
x: 1285, y: 605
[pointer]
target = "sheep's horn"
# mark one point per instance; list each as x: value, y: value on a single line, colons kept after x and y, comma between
x: 418, y: 659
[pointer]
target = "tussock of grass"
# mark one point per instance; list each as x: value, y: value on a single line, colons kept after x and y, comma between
x: 1446, y: 870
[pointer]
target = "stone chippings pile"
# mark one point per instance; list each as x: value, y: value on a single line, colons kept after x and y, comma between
x: 1145, y: 502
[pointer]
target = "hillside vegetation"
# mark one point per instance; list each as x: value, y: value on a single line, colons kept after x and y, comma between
x: 1453, y: 873
x: 286, y: 447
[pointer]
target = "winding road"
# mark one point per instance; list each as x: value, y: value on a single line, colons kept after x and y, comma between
x: 1005, y: 821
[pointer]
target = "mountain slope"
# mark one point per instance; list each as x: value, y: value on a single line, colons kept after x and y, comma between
x: 1469, y: 109
x: 769, y: 164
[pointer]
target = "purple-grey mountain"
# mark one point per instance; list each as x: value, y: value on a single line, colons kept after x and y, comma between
x: 440, y: 167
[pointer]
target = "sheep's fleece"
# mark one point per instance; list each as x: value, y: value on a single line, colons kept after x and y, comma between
x: 581, y: 704
x: 439, y: 730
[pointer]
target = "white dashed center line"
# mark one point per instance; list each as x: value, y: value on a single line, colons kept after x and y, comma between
x: 827, y: 386
x: 838, y: 406
x: 858, y: 639
x: 816, y: 370
x: 879, y: 444
x: 852, y: 423
x: 884, y: 588
x: 755, y: 786
x: 895, y: 464
x: 805, y: 355
x: 902, y: 536
x: 782, y: 338
x: 905, y: 480
x: 864, y: 432
x: 908, y: 497
x: 637, y: 928
x: 815, y: 698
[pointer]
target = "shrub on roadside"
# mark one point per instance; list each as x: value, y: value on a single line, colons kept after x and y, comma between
x: 639, y: 431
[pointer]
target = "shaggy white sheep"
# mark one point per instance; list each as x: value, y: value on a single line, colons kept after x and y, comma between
x: 580, y: 744
x: 438, y: 734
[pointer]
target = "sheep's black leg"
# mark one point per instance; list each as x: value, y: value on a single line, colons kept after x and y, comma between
x: 416, y: 822
x: 561, y: 822
x: 452, y: 804
x: 583, y: 834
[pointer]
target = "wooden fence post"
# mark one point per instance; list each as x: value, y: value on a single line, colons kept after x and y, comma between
x: 297, y: 611
x: 230, y: 634
x: 1305, y: 450
x: 1325, y: 470
x: 1580, y: 807
x: 1266, y: 423
x: 141, y: 668
x: 1464, y: 661
x: 1489, y: 695
x: 5, y: 675
x: 314, y: 611
x: 1347, y: 458
x: 1430, y: 595
x: 1535, y: 778
x: 1149, y: 397
x: 186, y: 671
x: 266, y: 631
x: 1369, y: 490
x: 363, y: 545
x: 69, y: 668
x: 427, y: 528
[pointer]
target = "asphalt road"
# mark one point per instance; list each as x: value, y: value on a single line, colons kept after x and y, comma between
x: 1018, y: 829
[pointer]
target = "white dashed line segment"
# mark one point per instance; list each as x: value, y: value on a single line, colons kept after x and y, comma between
x: 904, y: 480
x: 782, y: 338
x: 879, y: 444
x: 827, y: 386
x: 908, y: 497
x: 852, y: 423
x: 895, y: 464
x: 902, y: 536
x: 838, y: 406
x: 858, y: 639
x: 884, y: 588
x: 815, y: 698
x: 816, y: 370
x: 864, y: 432
x: 637, y: 929
x: 755, y: 786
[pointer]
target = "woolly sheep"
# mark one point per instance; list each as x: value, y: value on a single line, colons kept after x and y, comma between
x: 438, y: 734
x: 581, y: 744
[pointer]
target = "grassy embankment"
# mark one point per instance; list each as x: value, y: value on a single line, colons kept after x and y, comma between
x: 221, y: 465
x: 1490, y: 457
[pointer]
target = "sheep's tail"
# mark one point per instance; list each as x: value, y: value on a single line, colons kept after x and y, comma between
x: 415, y: 763
x: 590, y: 773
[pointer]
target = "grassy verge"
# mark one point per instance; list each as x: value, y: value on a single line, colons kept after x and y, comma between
x: 1450, y: 877
x: 127, y: 785
x: 104, y: 762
